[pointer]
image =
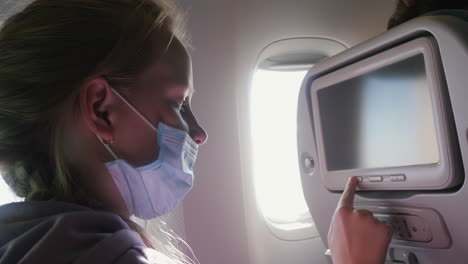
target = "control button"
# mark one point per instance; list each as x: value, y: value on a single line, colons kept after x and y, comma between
x: 400, y: 227
x: 413, y: 226
x: 398, y: 178
x: 308, y: 164
x: 407, y: 227
x: 419, y: 230
x: 359, y: 179
x: 375, y: 178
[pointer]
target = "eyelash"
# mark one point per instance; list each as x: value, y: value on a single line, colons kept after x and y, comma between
x: 181, y: 107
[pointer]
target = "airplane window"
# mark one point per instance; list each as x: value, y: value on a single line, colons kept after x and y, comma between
x: 6, y: 194
x: 276, y: 169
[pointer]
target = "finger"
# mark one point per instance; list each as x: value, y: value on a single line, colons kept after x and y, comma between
x: 387, y: 234
x: 390, y: 230
x: 347, y: 198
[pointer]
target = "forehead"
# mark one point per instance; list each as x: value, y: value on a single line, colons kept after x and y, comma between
x: 172, y: 72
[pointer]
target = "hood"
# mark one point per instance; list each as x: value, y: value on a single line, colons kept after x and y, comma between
x: 58, y: 232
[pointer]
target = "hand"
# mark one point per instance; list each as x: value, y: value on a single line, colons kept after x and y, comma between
x: 356, y: 236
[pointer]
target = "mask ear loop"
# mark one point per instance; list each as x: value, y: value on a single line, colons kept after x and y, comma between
x: 134, y: 109
x: 107, y: 147
x: 136, y: 112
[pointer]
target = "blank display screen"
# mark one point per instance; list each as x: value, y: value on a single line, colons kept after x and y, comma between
x: 383, y: 118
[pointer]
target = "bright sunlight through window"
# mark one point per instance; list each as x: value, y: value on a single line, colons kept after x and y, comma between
x: 6, y: 195
x: 276, y: 170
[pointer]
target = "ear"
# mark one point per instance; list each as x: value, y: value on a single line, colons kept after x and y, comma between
x: 96, y: 101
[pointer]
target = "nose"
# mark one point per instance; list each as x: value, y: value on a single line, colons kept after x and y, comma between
x: 198, y: 134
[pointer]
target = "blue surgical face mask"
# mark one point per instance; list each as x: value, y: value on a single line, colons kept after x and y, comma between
x: 157, y: 188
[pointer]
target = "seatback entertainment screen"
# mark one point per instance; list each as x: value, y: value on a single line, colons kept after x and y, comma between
x: 387, y: 119
x: 383, y: 118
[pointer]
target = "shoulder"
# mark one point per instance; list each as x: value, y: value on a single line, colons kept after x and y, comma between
x: 144, y: 255
x: 33, y: 232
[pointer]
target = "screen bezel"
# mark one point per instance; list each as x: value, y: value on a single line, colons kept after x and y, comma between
x: 418, y: 177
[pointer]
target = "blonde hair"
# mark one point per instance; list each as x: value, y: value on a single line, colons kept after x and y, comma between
x: 47, y: 51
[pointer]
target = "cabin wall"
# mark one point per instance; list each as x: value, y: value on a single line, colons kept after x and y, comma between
x: 223, y: 224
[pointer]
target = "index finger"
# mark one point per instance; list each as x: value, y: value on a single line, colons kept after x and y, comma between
x: 347, y: 198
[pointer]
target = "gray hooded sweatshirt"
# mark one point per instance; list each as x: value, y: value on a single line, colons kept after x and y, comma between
x: 57, y: 232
